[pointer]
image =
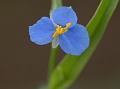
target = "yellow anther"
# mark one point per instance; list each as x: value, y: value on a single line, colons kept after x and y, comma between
x: 60, y: 30
x: 68, y: 25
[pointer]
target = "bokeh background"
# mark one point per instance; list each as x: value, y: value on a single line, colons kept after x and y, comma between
x: 23, y: 65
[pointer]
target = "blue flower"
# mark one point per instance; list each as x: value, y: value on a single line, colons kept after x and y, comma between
x: 61, y: 29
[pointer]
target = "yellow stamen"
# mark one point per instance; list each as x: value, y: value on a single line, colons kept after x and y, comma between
x: 60, y: 30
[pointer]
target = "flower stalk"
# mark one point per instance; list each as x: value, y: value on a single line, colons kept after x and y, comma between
x: 54, y: 51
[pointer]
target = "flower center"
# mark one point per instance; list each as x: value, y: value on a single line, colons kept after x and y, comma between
x: 60, y: 30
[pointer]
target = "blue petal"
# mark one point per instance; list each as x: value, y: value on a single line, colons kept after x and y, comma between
x: 64, y: 15
x: 41, y: 32
x: 75, y: 40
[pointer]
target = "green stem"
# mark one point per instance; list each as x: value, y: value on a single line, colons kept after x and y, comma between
x: 52, y: 61
x: 56, y: 4
x: 54, y: 51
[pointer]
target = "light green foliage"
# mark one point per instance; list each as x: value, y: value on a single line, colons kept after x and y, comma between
x: 71, y: 66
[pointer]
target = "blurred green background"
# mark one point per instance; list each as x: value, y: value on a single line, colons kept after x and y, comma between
x: 23, y: 65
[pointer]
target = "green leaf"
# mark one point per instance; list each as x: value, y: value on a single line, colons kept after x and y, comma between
x: 71, y: 66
